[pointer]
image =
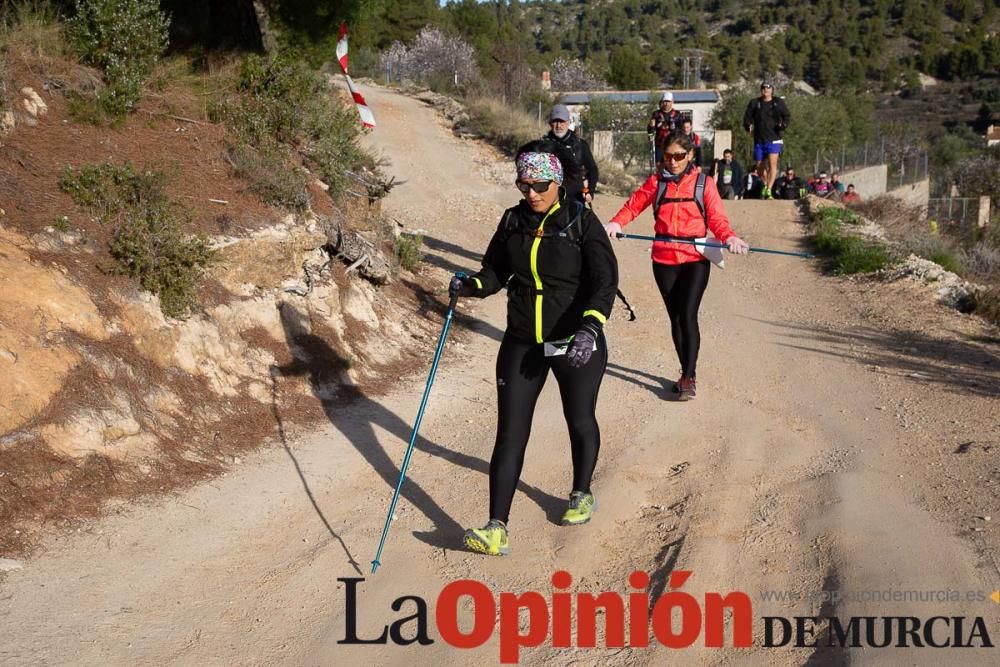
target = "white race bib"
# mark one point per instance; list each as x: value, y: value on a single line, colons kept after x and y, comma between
x: 557, y: 348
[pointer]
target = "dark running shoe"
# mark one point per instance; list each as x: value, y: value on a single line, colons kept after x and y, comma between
x: 686, y: 388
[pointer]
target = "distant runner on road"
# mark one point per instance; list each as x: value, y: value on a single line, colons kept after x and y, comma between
x: 767, y: 117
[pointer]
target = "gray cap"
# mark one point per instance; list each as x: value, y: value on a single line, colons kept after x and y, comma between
x: 766, y: 84
x: 667, y: 97
x: 559, y: 112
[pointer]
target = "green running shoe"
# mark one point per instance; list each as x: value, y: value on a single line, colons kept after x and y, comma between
x: 491, y: 539
x: 581, y: 506
x: 766, y: 194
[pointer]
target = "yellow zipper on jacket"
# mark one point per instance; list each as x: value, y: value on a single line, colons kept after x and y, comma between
x: 534, y: 273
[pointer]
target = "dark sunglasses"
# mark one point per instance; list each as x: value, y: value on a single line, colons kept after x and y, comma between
x: 540, y: 187
x: 676, y: 157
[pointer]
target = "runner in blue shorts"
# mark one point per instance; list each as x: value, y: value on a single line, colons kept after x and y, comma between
x: 760, y: 151
x: 767, y: 117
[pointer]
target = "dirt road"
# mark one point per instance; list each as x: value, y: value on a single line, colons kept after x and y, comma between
x: 792, y: 471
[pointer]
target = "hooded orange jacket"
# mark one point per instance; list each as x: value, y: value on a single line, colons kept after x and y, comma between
x: 681, y: 219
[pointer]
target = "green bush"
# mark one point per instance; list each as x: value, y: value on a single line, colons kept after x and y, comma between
x: 860, y: 257
x: 268, y: 172
x: 848, y: 254
x: 408, y: 250
x: 947, y: 260
x: 148, y: 242
x: 153, y: 249
x: 124, y: 38
x: 282, y: 101
x: 837, y: 215
x: 111, y: 190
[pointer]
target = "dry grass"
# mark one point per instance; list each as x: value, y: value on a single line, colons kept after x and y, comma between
x: 615, y: 180
x: 908, y: 227
x: 504, y: 126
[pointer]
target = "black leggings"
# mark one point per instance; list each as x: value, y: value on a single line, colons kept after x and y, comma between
x: 522, y: 369
x: 682, y: 286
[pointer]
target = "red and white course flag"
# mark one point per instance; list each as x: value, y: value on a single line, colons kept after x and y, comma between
x: 366, y: 114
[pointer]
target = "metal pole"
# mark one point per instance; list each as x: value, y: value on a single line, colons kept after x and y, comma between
x: 416, y: 427
x: 709, y: 244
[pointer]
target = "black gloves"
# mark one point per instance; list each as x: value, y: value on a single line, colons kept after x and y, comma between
x: 461, y: 286
x: 582, y: 346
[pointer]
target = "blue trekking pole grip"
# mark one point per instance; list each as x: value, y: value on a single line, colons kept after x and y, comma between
x: 416, y: 426
x: 709, y: 244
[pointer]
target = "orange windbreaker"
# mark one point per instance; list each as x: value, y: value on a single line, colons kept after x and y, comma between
x: 681, y: 219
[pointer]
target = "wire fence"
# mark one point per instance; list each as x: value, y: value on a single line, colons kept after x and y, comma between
x: 958, y: 216
x: 904, y: 166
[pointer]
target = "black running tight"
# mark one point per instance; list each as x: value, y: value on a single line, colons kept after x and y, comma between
x: 682, y: 286
x: 522, y: 369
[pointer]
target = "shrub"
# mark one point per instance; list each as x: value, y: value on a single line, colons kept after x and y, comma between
x: 148, y: 242
x: 408, y: 250
x: 848, y: 254
x: 124, y: 38
x: 947, y: 260
x: 837, y: 215
x: 111, y: 190
x: 269, y: 175
x: 860, y: 257
x: 153, y: 249
x: 282, y: 104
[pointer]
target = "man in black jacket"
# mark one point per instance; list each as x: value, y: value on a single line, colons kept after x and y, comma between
x: 729, y: 176
x: 767, y: 116
x: 790, y: 186
x: 580, y: 186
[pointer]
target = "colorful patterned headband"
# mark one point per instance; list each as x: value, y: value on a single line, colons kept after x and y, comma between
x: 539, y: 166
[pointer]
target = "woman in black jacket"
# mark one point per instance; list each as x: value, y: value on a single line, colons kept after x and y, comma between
x: 552, y: 255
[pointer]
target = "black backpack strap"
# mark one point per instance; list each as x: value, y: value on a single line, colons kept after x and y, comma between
x: 661, y: 191
x: 573, y: 230
x: 698, y: 198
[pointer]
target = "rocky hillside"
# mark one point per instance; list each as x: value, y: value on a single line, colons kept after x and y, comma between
x: 104, y: 396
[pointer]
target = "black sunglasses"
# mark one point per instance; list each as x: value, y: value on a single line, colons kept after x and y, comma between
x: 540, y: 187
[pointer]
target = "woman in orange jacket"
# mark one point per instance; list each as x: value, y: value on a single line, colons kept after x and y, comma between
x: 681, y: 272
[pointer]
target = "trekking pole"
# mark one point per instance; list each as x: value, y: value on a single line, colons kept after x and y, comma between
x: 709, y: 244
x: 416, y: 426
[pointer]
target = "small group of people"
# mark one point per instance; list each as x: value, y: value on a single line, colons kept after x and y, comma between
x: 791, y: 186
x: 555, y: 259
x: 666, y: 121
